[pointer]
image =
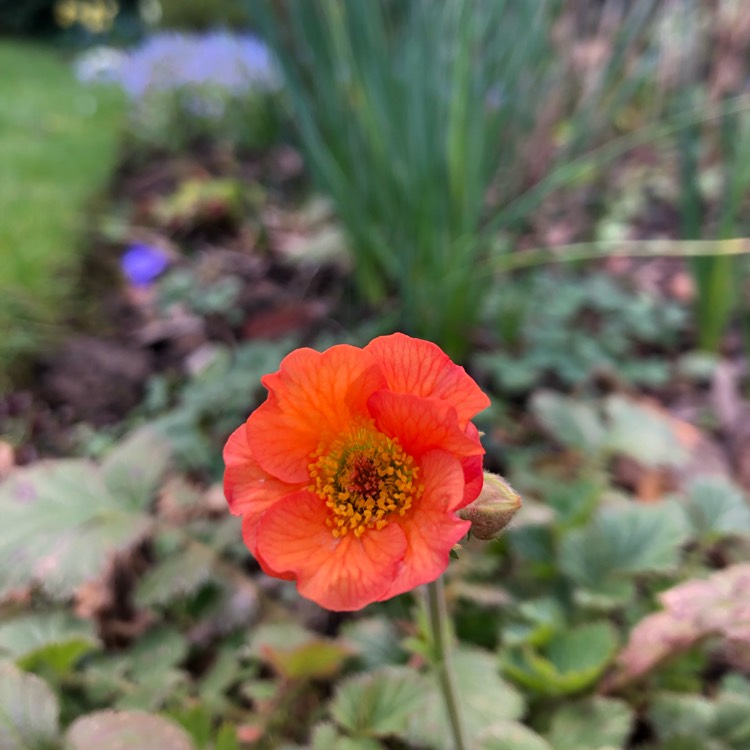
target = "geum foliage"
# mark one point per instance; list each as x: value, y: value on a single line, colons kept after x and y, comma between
x: 63, y: 520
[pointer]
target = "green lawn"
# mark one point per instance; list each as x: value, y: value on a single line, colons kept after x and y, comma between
x: 58, y: 146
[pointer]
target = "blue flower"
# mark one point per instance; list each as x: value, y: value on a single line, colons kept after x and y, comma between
x: 141, y: 264
x: 237, y: 63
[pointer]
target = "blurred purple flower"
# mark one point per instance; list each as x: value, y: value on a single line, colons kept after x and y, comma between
x: 141, y: 264
x: 168, y: 61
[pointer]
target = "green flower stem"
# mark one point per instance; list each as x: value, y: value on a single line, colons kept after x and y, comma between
x: 437, y: 612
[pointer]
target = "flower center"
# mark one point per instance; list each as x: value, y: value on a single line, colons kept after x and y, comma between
x: 365, y: 478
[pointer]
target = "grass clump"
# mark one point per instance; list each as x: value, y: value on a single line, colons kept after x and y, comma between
x: 59, y: 145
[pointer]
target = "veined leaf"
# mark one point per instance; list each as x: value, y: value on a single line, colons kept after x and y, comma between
x: 622, y: 542
x: 485, y: 696
x: 570, y: 662
x: 716, y: 508
x: 716, y: 605
x: 56, y: 639
x: 28, y: 711
x: 575, y: 424
x: 592, y: 724
x: 60, y: 526
x: 378, y: 703
x: 641, y: 433
x: 178, y: 575
x: 115, y: 730
x: 719, y: 724
x: 512, y: 735
x: 134, y: 468
x: 318, y: 659
x: 326, y: 737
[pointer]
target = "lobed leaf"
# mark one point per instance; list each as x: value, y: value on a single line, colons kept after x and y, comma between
x: 56, y: 639
x: 717, y: 605
x: 485, y: 696
x: 176, y: 576
x: 623, y: 542
x: 512, y: 735
x: 592, y: 724
x: 115, y: 730
x: 641, y: 433
x: 571, y: 661
x: 379, y: 703
x: 61, y: 524
x: 133, y: 469
x: 715, y: 508
x: 572, y: 422
x: 28, y: 711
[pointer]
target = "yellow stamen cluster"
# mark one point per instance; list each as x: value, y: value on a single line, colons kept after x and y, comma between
x: 365, y: 478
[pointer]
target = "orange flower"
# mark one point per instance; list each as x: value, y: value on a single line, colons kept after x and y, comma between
x: 349, y: 475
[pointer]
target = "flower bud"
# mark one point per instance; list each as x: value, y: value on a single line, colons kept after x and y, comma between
x: 492, y: 511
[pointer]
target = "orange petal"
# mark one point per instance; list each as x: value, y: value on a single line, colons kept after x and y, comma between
x: 473, y: 478
x: 421, y: 424
x: 249, y: 490
x: 423, y: 369
x: 250, y: 537
x: 473, y: 471
x: 339, y: 574
x: 312, y: 398
x: 431, y: 528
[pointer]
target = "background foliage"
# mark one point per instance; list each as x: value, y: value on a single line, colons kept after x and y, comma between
x: 396, y: 165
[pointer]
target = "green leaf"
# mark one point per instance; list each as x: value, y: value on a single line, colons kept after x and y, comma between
x: 379, y: 703
x: 116, y: 730
x: 720, y: 724
x: 511, y: 735
x: 573, y: 423
x: 622, y: 542
x: 731, y: 723
x: 573, y: 501
x: 593, y: 724
x: 223, y: 673
x: 176, y: 576
x: 28, y: 711
x: 56, y: 640
x: 375, y: 640
x: 535, y: 542
x: 157, y: 650
x: 326, y: 737
x: 485, y: 698
x: 681, y: 715
x: 571, y: 661
x: 226, y: 739
x: 318, y: 659
x: 146, y: 676
x: 540, y: 620
x: 716, y: 508
x: 60, y: 527
x: 134, y: 468
x: 641, y: 433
